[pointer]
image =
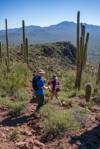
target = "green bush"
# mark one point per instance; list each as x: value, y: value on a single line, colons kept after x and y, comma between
x: 87, y: 77
x: 16, y: 79
x: 58, y: 122
x: 22, y: 95
x: 81, y: 115
x: 68, y: 80
x: 16, y: 106
x: 68, y: 84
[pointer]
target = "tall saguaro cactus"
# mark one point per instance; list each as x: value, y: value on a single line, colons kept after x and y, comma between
x: 78, y: 48
x: 81, y: 52
x: 7, y: 46
x: 24, y: 38
x: 27, y: 50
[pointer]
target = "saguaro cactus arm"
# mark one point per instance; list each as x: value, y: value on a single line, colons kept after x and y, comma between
x: 27, y: 50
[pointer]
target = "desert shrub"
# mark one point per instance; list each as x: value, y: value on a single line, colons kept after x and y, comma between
x: 81, y: 93
x: 81, y: 115
x: 22, y: 95
x: 63, y: 95
x: 68, y: 84
x: 68, y: 80
x: 58, y: 122
x: 16, y: 79
x: 72, y: 93
x: 97, y: 91
x: 13, y: 136
x: 90, y: 104
x: 16, y: 106
x: 13, y: 84
x: 87, y: 77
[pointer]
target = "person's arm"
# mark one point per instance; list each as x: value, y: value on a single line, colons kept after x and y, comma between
x: 49, y: 82
x: 45, y: 87
x: 41, y: 84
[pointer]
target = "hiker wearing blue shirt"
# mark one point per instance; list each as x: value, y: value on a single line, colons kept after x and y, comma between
x: 38, y: 84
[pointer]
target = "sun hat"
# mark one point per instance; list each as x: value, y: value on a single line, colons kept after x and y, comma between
x: 41, y: 71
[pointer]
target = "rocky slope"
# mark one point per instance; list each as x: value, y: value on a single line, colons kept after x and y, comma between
x: 52, y: 57
x: 25, y: 131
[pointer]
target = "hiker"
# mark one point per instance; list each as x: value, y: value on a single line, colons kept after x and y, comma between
x: 38, y: 84
x: 54, y: 87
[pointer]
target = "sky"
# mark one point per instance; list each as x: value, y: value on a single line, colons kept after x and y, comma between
x: 48, y: 12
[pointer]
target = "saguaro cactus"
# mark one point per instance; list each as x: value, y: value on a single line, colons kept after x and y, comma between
x: 78, y: 48
x: 81, y: 52
x: 78, y: 37
x: 21, y: 48
x: 88, y: 92
x: 98, y: 75
x: 27, y: 50
x: 24, y: 38
x: 0, y: 51
x: 7, y: 46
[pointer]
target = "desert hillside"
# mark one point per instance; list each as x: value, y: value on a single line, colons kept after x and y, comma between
x: 70, y: 122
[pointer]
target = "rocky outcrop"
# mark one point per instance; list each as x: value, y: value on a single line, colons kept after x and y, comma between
x: 64, y: 49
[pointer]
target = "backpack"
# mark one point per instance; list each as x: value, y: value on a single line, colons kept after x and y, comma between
x: 34, y: 82
x: 57, y: 85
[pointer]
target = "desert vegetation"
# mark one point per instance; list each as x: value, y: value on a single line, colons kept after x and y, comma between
x: 78, y: 108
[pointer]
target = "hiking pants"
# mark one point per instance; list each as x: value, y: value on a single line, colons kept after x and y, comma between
x: 40, y: 99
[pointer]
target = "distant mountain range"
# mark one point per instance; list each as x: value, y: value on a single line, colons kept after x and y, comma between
x: 64, y: 31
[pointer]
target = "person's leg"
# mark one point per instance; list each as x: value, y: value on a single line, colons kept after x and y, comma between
x: 52, y: 95
x: 40, y: 102
x: 33, y: 100
x: 56, y: 95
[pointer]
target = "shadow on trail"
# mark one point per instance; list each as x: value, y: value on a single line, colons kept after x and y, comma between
x: 88, y: 140
x: 13, y: 121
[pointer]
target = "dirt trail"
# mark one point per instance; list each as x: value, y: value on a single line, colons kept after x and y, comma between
x: 24, y: 132
x: 14, y: 131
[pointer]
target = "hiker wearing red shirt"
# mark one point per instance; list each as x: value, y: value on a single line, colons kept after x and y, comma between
x: 54, y: 87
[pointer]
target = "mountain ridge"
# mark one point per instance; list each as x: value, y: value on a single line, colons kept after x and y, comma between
x: 93, y: 25
x: 63, y: 31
